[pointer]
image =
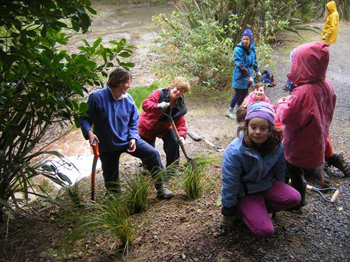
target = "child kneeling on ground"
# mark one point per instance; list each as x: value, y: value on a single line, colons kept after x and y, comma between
x: 253, y: 173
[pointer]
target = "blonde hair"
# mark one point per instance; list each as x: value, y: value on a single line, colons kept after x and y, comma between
x: 181, y: 83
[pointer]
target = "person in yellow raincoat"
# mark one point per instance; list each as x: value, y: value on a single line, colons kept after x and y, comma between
x: 330, y: 30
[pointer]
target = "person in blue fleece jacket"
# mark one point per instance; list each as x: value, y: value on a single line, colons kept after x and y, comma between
x: 113, y: 114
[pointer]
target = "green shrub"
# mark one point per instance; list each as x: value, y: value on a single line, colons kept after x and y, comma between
x: 41, y: 84
x: 198, y: 40
x: 202, y: 52
x: 265, y: 57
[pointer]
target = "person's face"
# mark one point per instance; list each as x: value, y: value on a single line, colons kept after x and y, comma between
x: 259, y: 93
x: 123, y: 87
x: 246, y: 41
x: 176, y: 93
x: 258, y: 130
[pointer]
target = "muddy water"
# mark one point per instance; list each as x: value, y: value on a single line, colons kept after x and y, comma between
x: 128, y: 18
x: 112, y: 23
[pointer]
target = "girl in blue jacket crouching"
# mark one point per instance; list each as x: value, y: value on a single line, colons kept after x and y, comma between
x: 253, y: 173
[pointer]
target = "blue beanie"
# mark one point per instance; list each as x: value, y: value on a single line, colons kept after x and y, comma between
x: 261, y: 110
x: 249, y: 33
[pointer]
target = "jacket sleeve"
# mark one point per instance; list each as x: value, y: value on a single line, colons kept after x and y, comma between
x: 87, y: 121
x: 280, y: 167
x: 180, y: 124
x: 330, y: 26
x: 151, y: 102
x: 133, y: 121
x: 296, y: 111
x: 238, y: 56
x: 231, y: 179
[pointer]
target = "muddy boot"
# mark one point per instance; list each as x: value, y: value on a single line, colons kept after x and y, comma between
x: 164, y: 193
x: 339, y: 161
x: 227, y: 224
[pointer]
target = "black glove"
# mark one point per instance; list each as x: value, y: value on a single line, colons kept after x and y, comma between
x: 229, y: 211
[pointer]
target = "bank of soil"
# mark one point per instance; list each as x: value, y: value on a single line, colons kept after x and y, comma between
x: 182, y: 230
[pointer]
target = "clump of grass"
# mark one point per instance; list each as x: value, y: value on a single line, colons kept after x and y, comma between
x: 137, y: 188
x: 192, y: 183
x: 74, y: 194
x: 114, y: 217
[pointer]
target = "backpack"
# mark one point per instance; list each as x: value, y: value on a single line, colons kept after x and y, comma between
x: 268, y: 78
x: 289, y: 86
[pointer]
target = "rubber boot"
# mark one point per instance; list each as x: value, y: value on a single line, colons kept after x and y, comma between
x: 299, y: 183
x: 339, y: 161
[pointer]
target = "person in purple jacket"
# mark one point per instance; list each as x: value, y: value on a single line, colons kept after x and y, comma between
x: 113, y: 114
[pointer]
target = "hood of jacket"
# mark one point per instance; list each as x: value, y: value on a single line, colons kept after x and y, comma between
x: 310, y: 62
x: 331, y: 6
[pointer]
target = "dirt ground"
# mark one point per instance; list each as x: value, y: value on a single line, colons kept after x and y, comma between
x: 182, y: 230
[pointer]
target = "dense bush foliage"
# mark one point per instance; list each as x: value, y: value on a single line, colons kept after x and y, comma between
x: 202, y: 52
x: 199, y: 38
x: 41, y: 85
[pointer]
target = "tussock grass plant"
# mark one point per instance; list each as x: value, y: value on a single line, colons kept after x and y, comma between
x: 114, y: 217
x: 137, y: 186
x: 74, y: 194
x: 191, y: 182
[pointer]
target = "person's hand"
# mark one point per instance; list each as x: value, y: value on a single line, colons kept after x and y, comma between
x: 92, y: 138
x: 163, y: 105
x: 132, y: 146
x: 250, y: 80
x: 181, y: 141
x: 283, y: 99
x: 324, y: 37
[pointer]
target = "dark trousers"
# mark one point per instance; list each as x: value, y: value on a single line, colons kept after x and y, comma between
x: 297, y: 176
x: 170, y: 146
x: 238, y: 97
x: 110, y: 163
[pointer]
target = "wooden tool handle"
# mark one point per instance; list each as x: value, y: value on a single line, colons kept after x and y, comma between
x: 309, y: 187
x: 335, y: 196
x: 175, y: 129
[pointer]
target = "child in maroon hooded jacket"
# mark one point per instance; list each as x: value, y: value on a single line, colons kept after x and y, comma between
x: 307, y: 113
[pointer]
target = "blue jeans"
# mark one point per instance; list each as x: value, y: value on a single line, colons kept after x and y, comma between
x: 110, y: 163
